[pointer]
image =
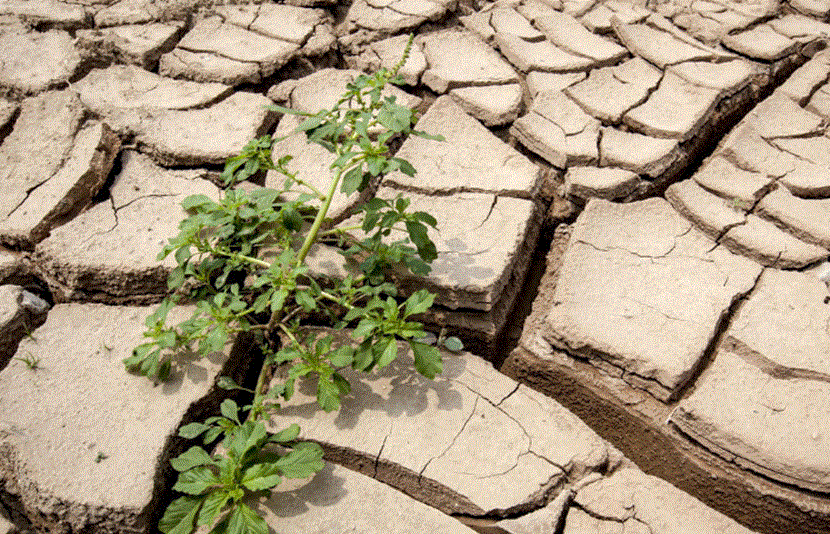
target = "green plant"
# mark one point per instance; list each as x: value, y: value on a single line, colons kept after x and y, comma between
x: 242, y: 261
x: 30, y: 360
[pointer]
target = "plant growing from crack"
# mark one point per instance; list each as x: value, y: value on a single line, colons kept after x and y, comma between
x: 237, y: 288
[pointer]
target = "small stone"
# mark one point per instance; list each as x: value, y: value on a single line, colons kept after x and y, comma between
x: 761, y: 42
x: 639, y: 153
x: 770, y: 246
x: 459, y: 58
x: 725, y: 179
x: 494, y: 105
x: 610, y: 92
x: 140, y: 44
x: 24, y: 69
x: 600, y: 182
x: 677, y: 109
x: 543, y: 55
x: 712, y: 214
x: 469, y: 159
x: 540, y: 82
x: 566, y: 32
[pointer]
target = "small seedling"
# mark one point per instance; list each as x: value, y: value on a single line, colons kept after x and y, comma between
x: 30, y: 361
x: 101, y: 456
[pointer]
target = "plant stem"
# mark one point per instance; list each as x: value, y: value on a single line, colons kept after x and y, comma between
x: 311, y: 237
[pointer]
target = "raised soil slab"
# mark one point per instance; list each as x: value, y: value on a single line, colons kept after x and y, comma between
x: 20, y: 313
x: 436, y: 440
x: 24, y: 70
x: 70, y: 428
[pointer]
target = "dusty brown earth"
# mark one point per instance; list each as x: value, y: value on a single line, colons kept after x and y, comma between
x: 633, y: 205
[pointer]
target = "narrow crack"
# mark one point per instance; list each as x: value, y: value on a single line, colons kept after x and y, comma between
x: 380, y: 452
x: 452, y: 443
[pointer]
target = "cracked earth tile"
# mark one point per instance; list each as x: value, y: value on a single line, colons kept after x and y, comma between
x: 394, y: 17
x: 459, y: 58
x: 328, y: 502
x: 577, y: 8
x: 817, y: 8
x: 745, y: 147
x: 278, y: 21
x: 539, y: 82
x: 568, y: 33
x: 108, y: 253
x: 800, y: 28
x: 643, y: 291
x: 122, y: 12
x: 208, y: 67
x: 469, y: 159
x: 599, y: 18
x: 725, y: 179
x: 479, y: 24
x: 770, y: 246
x: 806, y: 80
x: 123, y: 94
x: 50, y: 442
x: 806, y: 219
x: 471, y: 441
x: 677, y: 109
x: 661, y: 47
x: 769, y: 423
x: 24, y: 70
x: 728, y: 77
x: 322, y: 90
x: 636, y: 503
x: 507, y: 21
x: 494, y: 105
x: 557, y: 129
x: 20, y: 312
x: 205, y: 136
x: 139, y: 44
x: 609, y: 92
x: 54, y: 14
x: 639, y: 153
x: 600, y: 182
x: 543, y: 55
x: 710, y: 213
x: 387, y: 53
x: 820, y: 101
x: 761, y: 42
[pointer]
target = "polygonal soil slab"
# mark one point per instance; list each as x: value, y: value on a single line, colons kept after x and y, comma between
x: 660, y: 45
x: 20, y: 313
x: 566, y: 32
x: 85, y: 445
x: 469, y: 159
x: 632, y: 502
x: 120, y: 12
x: 205, y: 136
x: 52, y: 13
x: 137, y: 44
x: 25, y: 71
x: 638, y: 153
x: 53, y: 164
x: 335, y: 500
x: 437, y: 440
x: 493, y: 105
x: 369, y: 20
x: 124, y: 94
x: 458, y: 58
x: 624, y: 298
x: 108, y: 253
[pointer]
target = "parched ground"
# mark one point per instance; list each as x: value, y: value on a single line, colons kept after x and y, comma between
x: 650, y: 181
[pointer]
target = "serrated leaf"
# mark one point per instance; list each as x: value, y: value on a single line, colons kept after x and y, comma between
x: 196, y: 481
x: 342, y: 357
x: 243, y: 520
x: 305, y: 300
x: 428, y: 360
x: 301, y: 462
x: 193, y: 457
x: 260, y: 477
x: 180, y: 516
x: 230, y: 409
x: 286, y: 434
x: 214, y: 502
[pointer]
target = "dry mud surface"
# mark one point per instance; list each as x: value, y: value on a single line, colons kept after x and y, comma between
x: 650, y: 180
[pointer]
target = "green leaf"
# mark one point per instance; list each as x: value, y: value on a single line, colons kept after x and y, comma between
x: 404, y: 166
x: 352, y: 180
x: 453, y: 344
x: 230, y: 409
x: 390, y: 352
x: 249, y: 436
x: 180, y: 516
x: 301, y: 462
x: 418, y: 302
x: 287, y: 434
x: 213, y: 505
x: 260, y: 477
x: 310, y: 123
x: 279, y: 299
x: 197, y: 201
x: 342, y: 356
x: 226, y: 382
x: 243, y: 520
x: 305, y: 300
x: 192, y: 430
x: 328, y: 394
x: 428, y: 360
x: 418, y: 235
x: 196, y: 481
x: 292, y: 220
x: 193, y: 457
